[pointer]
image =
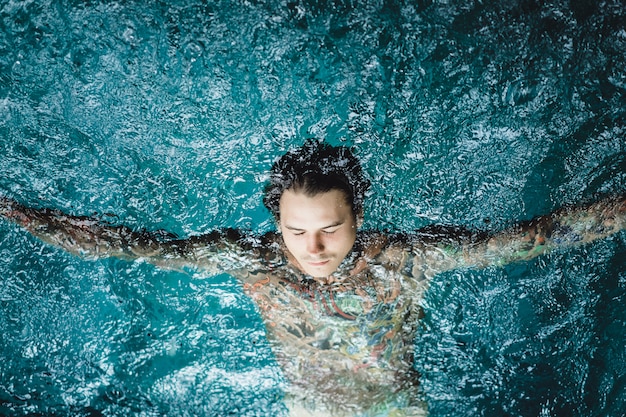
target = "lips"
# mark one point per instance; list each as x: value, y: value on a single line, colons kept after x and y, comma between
x: 318, y: 263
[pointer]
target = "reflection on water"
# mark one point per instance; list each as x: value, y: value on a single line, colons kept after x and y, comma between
x: 168, y: 116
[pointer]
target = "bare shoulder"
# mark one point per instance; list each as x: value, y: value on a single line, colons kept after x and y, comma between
x: 255, y: 254
x: 426, y: 252
x: 387, y: 250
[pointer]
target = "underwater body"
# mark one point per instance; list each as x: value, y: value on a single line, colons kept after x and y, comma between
x: 168, y: 116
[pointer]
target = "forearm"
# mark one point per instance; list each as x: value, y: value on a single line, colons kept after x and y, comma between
x: 565, y: 228
x: 83, y: 236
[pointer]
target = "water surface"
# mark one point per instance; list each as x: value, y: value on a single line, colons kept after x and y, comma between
x: 167, y: 115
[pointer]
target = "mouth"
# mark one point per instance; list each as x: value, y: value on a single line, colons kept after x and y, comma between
x: 318, y: 263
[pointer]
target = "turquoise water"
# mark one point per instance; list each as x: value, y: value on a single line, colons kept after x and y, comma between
x: 167, y: 116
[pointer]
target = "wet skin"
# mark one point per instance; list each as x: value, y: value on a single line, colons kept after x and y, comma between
x: 344, y: 342
x: 318, y: 231
x: 342, y: 336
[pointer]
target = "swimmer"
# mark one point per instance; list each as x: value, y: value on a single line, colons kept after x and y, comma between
x: 340, y: 304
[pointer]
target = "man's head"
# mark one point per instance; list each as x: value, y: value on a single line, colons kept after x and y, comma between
x: 316, y: 195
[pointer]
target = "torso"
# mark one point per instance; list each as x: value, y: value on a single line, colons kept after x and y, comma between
x: 348, y: 341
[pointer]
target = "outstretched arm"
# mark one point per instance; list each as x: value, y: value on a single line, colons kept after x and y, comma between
x: 220, y: 251
x: 567, y: 227
x: 438, y: 249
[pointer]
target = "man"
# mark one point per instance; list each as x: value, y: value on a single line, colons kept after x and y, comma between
x: 340, y: 305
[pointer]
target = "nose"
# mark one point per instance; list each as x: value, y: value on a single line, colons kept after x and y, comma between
x: 314, y: 244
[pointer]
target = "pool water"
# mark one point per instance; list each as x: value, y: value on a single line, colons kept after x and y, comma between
x: 167, y: 115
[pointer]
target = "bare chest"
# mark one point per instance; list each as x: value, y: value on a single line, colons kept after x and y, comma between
x: 361, y: 322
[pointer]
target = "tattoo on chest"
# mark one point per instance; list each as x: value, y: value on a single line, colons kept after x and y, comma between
x: 359, y: 296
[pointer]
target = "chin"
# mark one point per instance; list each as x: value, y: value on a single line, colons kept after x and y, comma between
x: 320, y: 272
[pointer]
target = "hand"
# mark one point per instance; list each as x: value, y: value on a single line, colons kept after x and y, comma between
x: 6, y: 205
x: 12, y: 210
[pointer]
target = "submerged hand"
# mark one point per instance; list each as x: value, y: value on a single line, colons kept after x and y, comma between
x: 12, y: 210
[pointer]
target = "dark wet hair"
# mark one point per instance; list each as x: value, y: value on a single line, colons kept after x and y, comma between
x: 317, y: 167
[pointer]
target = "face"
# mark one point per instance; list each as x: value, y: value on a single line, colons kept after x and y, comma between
x: 319, y: 231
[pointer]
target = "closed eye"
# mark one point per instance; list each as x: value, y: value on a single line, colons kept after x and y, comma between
x: 330, y: 230
x: 300, y: 232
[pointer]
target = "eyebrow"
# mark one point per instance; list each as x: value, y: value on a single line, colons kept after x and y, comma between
x: 337, y: 223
